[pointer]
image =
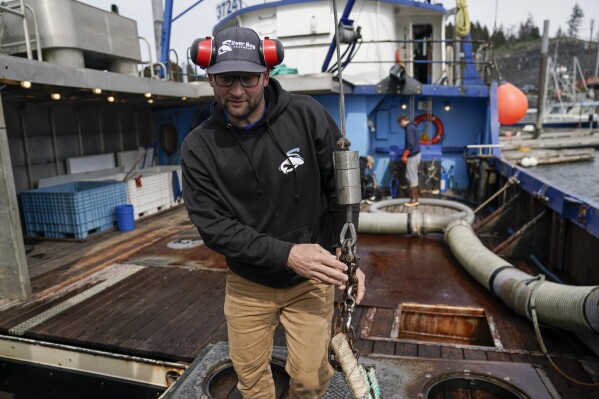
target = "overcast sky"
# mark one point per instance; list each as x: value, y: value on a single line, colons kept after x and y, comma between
x: 510, y: 13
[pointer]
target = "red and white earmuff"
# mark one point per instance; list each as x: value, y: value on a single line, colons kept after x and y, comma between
x: 203, y: 52
x: 271, y: 52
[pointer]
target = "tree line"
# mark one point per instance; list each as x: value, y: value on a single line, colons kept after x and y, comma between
x: 525, y: 31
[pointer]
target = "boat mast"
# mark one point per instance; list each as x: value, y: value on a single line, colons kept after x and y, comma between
x: 157, y: 14
x: 165, y: 40
x: 542, y: 79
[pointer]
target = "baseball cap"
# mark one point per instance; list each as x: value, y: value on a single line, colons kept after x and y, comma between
x: 237, y: 50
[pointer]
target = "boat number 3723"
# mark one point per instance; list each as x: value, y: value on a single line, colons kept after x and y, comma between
x: 227, y: 7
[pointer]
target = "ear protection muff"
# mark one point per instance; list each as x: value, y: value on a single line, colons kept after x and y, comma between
x: 271, y: 52
x: 203, y: 52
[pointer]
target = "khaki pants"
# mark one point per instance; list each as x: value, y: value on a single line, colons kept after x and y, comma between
x: 253, y: 310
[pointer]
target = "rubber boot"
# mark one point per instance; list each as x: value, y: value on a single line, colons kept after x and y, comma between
x: 414, y: 195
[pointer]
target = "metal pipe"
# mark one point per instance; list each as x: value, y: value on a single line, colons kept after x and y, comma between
x: 187, y: 9
x: 26, y: 29
x: 157, y: 13
x: 597, y: 62
x: 26, y: 145
x: 544, y: 269
x: 101, y: 132
x: 25, y: 26
x: 38, y: 46
x: 136, y: 128
x: 151, y: 61
x: 11, y: 11
x: 120, y: 126
x: 53, y: 136
x: 166, y: 32
x: 176, y: 61
x: 542, y: 80
x: 79, y: 133
x: 163, y: 68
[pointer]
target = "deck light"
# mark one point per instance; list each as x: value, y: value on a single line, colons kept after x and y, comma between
x: 183, y: 98
x: 55, y: 96
x: 150, y: 101
x: 110, y: 99
x: 97, y: 90
x: 148, y: 95
x: 447, y: 106
x: 25, y: 84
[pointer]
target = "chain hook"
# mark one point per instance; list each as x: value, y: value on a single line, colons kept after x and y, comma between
x: 353, y: 235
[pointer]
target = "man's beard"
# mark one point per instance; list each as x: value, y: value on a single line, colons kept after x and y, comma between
x: 245, y: 112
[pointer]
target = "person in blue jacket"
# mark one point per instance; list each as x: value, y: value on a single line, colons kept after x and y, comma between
x: 259, y: 185
x: 411, y: 158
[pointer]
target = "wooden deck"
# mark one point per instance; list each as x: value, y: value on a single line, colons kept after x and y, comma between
x: 170, y: 306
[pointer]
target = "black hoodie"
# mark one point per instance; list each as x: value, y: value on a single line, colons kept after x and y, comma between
x: 247, y: 200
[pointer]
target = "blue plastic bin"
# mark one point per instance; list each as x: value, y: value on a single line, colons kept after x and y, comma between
x: 72, y: 210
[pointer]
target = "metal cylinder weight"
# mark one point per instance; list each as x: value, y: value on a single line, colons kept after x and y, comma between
x: 347, y: 177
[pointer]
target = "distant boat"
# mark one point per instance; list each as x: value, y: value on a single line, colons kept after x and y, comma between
x: 565, y: 115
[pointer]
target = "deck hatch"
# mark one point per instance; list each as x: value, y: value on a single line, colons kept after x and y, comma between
x: 439, y: 324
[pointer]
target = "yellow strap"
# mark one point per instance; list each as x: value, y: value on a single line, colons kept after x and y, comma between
x: 462, y: 20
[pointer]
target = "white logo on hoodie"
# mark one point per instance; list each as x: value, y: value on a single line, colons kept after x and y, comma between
x: 292, y: 161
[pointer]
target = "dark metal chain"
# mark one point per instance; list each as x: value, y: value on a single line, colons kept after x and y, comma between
x: 347, y: 302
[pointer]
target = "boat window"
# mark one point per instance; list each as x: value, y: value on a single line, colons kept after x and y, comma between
x: 423, y: 52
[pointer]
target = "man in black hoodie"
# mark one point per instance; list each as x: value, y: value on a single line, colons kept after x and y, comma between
x: 258, y: 182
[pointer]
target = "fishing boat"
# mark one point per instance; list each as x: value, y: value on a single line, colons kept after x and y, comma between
x: 569, y: 103
x: 565, y: 115
x: 488, y: 289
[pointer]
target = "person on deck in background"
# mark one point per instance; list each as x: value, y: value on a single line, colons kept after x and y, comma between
x: 411, y: 158
x: 258, y: 183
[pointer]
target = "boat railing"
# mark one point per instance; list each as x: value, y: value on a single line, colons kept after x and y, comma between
x: 482, y: 150
x: 450, y: 75
x: 441, y: 51
x: 20, y: 11
x: 170, y: 70
x: 152, y: 65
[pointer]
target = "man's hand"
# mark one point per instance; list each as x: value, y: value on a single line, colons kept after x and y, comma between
x: 361, y: 277
x: 404, y: 156
x: 361, y: 286
x: 316, y: 263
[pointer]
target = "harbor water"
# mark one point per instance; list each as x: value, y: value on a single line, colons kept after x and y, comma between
x: 579, y: 178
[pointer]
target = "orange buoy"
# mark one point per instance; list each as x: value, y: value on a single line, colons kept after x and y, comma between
x: 511, y: 104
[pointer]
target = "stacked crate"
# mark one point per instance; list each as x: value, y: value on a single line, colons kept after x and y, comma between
x: 176, y: 181
x: 73, y: 210
x: 149, y: 193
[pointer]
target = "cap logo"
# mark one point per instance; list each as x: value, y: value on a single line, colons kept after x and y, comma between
x: 229, y: 45
x: 225, y: 47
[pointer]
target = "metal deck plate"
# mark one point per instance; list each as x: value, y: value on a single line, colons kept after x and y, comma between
x: 398, y: 377
x: 191, y: 384
x: 408, y: 377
